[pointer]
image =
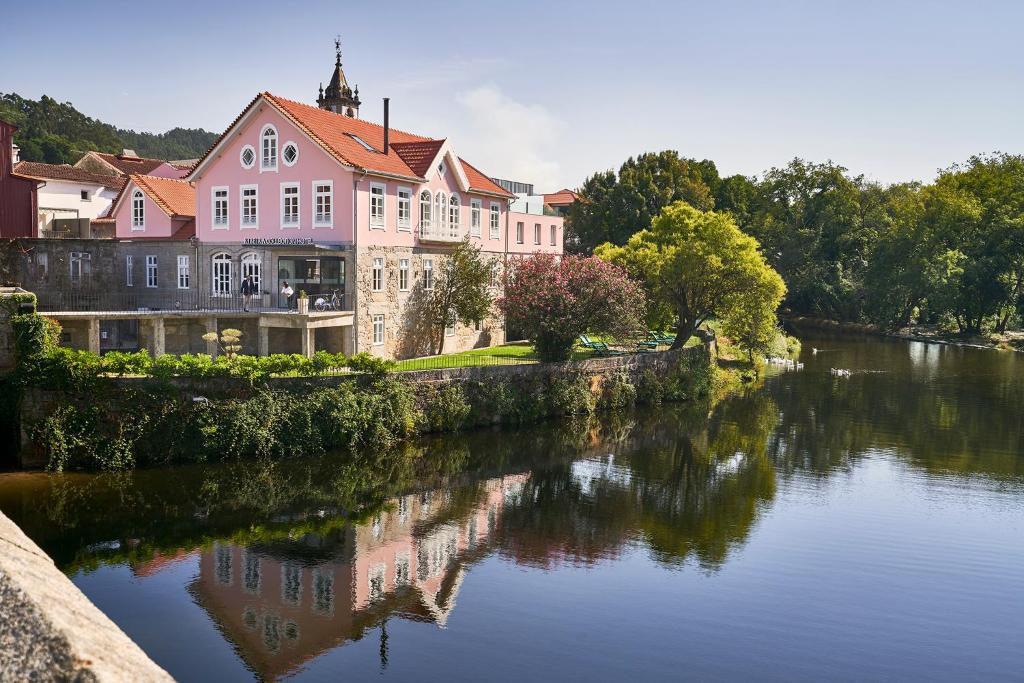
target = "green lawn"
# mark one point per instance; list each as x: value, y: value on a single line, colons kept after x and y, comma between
x: 507, y: 354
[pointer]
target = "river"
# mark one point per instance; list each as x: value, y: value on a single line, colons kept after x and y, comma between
x: 817, y: 527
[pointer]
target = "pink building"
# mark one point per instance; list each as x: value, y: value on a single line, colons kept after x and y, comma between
x: 330, y: 203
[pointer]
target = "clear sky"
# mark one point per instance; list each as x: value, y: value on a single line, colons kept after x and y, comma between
x: 550, y: 92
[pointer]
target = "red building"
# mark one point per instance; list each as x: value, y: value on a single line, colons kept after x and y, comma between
x: 17, y: 193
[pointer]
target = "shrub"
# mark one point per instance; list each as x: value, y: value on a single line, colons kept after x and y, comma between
x: 444, y: 409
x: 569, y: 394
x: 555, y: 300
x: 617, y: 392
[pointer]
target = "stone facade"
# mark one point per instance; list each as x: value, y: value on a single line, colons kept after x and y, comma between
x: 406, y: 332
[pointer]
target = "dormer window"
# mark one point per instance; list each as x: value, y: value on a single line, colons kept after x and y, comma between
x: 290, y: 153
x: 269, y: 142
x: 138, y: 210
x: 366, y: 145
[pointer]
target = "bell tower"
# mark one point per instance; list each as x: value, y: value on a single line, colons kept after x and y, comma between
x: 338, y: 97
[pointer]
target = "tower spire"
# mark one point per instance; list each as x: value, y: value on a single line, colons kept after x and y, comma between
x: 338, y: 96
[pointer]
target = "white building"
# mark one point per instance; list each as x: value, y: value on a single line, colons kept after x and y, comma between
x: 66, y: 192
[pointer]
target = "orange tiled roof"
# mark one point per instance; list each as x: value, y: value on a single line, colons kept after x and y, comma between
x: 418, y: 155
x: 129, y: 165
x: 175, y: 197
x: 479, y: 181
x: 337, y: 133
x: 41, y: 171
x: 563, y: 197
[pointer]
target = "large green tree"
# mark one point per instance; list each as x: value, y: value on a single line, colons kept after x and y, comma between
x: 613, y: 207
x: 698, y: 264
x: 461, y: 291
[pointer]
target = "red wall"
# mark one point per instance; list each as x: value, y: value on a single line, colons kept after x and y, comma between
x: 17, y: 195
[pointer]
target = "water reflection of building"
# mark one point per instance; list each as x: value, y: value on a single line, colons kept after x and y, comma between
x: 281, y: 604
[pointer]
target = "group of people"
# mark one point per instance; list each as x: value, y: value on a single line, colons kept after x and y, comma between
x: 249, y: 289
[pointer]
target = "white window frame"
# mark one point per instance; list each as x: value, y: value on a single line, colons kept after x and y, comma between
x: 426, y: 217
x: 251, y: 263
x: 138, y: 210
x: 428, y: 281
x: 520, y: 232
x: 183, y: 272
x: 290, y: 143
x: 377, y: 321
x: 449, y: 331
x: 495, y: 220
x: 241, y: 207
x: 404, y: 196
x: 152, y: 275
x: 76, y: 261
x: 455, y: 213
x: 378, y: 191
x: 213, y: 207
x: 554, y: 235
x: 129, y: 271
x: 298, y: 206
x: 495, y: 274
x: 377, y: 274
x: 317, y: 194
x: 215, y: 260
x: 536, y: 234
x: 441, y: 211
x: 476, y: 207
x: 241, y: 156
x: 403, y: 275
x: 264, y: 166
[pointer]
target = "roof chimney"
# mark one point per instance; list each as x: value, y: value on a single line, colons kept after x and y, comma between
x: 387, y: 130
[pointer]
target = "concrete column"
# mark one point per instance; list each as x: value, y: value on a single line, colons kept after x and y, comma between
x: 348, y: 340
x: 158, y: 343
x: 211, y: 326
x: 94, y: 335
x: 264, y: 341
x: 307, y: 341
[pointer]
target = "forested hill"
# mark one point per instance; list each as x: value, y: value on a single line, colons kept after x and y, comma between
x: 57, y: 133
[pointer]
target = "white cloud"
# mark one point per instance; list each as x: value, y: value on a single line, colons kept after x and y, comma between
x: 507, y: 138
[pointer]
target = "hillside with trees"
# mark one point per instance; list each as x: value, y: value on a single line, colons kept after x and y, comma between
x: 949, y: 254
x: 57, y: 133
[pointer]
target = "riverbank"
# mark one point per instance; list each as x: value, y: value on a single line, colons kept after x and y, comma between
x: 122, y: 423
x: 1008, y: 341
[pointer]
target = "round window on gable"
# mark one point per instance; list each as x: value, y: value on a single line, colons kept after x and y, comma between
x: 290, y: 154
x: 248, y: 156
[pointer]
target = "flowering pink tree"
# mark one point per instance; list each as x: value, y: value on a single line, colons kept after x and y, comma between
x: 554, y: 300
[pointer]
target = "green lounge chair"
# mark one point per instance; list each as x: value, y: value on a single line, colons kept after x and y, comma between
x: 598, y: 347
x: 661, y: 338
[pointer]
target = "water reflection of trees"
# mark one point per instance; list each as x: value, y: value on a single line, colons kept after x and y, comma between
x: 686, y: 487
x: 943, y: 409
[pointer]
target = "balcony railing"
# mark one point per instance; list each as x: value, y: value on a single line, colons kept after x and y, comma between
x: 433, y: 232
x: 76, y: 299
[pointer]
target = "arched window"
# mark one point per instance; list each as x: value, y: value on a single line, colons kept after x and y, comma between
x: 269, y: 147
x: 221, y: 272
x: 441, y: 204
x: 425, y: 215
x: 453, y: 215
x: 138, y: 210
x: 252, y: 264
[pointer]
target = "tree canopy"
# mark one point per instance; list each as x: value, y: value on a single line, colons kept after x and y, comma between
x: 461, y: 290
x: 57, y: 133
x: 698, y: 264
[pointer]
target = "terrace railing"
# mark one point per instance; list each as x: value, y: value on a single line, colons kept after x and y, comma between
x: 75, y: 299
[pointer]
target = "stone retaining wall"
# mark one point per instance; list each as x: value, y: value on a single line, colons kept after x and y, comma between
x: 49, y: 631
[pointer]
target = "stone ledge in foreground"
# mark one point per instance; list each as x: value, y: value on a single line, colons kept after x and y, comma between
x: 49, y: 630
